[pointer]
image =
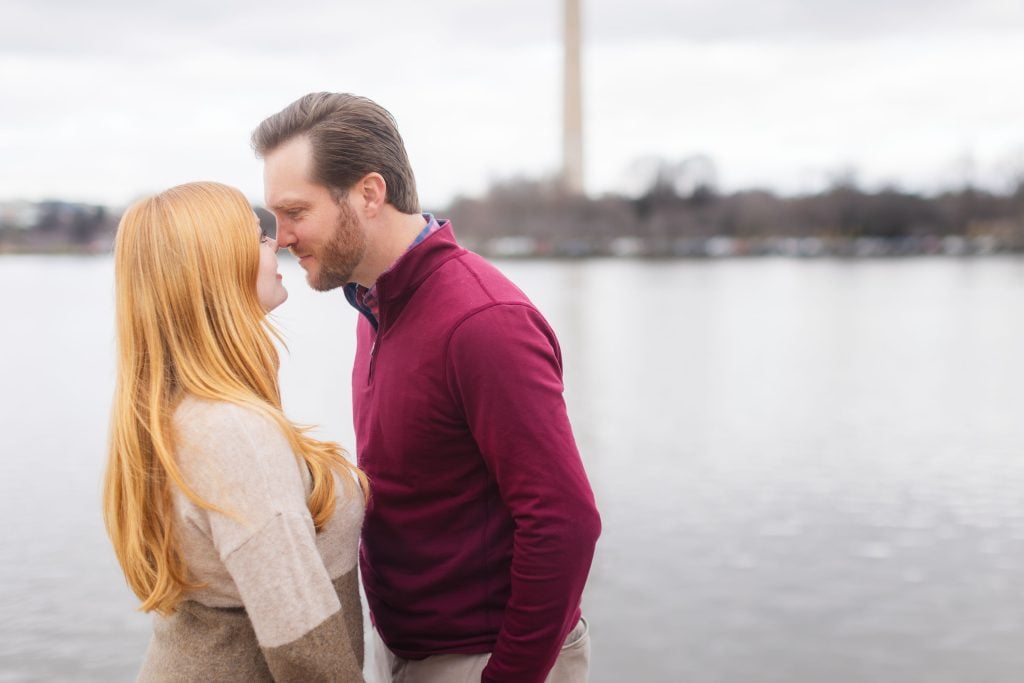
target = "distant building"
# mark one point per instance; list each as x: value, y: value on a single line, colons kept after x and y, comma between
x: 19, y: 215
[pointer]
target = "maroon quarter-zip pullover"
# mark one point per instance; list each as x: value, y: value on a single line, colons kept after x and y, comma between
x: 481, y: 525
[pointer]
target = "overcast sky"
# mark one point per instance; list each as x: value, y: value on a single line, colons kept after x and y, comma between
x: 103, y: 101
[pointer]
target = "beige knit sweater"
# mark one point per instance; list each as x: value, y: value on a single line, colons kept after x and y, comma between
x: 280, y: 601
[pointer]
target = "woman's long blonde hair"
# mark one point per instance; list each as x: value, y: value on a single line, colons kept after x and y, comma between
x: 188, y: 322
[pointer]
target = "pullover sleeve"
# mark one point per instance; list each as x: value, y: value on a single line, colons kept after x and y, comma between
x: 241, y: 462
x: 504, y: 369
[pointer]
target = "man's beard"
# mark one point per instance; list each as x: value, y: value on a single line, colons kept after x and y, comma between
x: 342, y: 253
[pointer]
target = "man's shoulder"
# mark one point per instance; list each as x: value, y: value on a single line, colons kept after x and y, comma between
x: 473, y: 281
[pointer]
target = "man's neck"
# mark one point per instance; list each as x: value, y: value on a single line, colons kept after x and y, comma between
x: 388, y: 241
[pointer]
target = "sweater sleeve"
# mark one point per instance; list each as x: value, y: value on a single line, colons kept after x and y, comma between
x: 504, y: 368
x: 241, y: 462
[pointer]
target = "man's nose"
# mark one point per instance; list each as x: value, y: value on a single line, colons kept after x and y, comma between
x: 284, y: 238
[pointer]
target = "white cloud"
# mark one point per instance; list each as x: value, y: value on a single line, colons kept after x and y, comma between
x: 102, y: 101
x: 784, y: 116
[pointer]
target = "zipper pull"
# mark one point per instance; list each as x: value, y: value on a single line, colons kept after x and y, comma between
x: 369, y: 372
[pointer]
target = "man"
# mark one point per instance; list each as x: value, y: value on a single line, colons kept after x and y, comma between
x: 482, y: 524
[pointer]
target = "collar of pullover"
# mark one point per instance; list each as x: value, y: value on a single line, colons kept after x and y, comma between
x: 400, y: 281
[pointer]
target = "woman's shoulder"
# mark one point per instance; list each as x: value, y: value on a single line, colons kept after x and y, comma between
x: 219, y: 422
x: 195, y: 412
x: 225, y: 431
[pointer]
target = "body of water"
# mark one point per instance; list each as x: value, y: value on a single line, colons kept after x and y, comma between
x: 807, y: 470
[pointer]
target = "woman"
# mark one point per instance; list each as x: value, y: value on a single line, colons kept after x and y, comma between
x: 231, y: 522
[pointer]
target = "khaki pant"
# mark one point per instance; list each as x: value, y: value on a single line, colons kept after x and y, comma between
x: 572, y: 665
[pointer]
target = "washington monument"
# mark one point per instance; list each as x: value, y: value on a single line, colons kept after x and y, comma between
x: 572, y: 130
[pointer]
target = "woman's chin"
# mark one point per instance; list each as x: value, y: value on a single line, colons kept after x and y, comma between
x: 280, y: 297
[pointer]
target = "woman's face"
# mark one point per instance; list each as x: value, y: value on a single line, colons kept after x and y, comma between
x: 269, y: 290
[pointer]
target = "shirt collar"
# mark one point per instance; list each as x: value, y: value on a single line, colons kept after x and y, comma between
x: 357, y: 294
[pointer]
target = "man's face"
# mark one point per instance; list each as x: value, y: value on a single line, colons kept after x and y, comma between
x: 325, y: 234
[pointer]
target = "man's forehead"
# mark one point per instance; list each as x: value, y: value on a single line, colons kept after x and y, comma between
x: 286, y: 172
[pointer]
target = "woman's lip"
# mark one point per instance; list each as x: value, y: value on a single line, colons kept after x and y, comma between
x: 279, y: 277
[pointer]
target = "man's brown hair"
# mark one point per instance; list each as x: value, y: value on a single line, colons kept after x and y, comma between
x: 350, y: 136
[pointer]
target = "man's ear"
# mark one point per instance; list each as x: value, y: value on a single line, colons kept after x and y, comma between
x: 371, y: 193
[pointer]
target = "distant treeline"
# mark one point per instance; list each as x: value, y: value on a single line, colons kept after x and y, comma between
x: 55, y: 227
x: 535, y: 218
x: 529, y: 217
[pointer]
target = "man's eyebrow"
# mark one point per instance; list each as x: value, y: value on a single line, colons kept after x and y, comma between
x: 289, y: 204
